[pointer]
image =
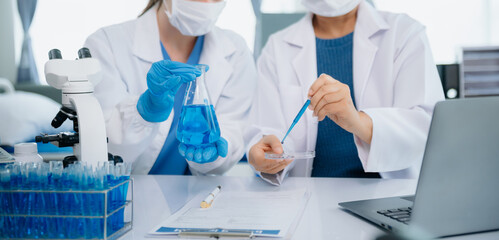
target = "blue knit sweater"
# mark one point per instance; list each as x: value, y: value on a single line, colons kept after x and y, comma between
x: 335, y: 152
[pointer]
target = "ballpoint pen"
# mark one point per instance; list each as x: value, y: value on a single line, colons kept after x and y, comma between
x: 297, y: 118
x: 206, y: 203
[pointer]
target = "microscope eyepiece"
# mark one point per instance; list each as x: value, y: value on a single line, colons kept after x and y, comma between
x: 62, y: 115
x: 84, y: 53
x: 59, y: 119
x: 55, y: 54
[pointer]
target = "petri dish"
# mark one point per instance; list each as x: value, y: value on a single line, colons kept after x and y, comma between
x: 293, y: 155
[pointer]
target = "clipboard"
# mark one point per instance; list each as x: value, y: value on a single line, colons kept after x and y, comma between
x: 216, y: 233
x: 213, y: 233
x: 192, y: 221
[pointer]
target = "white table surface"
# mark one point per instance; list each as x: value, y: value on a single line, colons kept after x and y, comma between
x: 157, y: 197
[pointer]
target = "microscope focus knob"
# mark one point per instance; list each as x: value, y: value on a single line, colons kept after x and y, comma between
x: 55, y: 54
x: 84, y: 53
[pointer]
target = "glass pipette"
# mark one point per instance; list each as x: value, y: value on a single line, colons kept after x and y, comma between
x: 297, y: 118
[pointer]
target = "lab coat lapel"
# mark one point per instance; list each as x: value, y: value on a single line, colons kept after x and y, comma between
x: 305, y: 62
x: 369, y: 22
x: 217, y: 49
x: 146, y: 40
x: 305, y: 67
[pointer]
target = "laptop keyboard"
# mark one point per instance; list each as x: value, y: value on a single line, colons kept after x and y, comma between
x: 402, y: 215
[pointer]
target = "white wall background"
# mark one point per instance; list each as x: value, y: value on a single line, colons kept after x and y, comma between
x: 8, y: 41
x: 65, y: 24
x: 494, y: 21
x: 238, y: 16
x: 451, y: 24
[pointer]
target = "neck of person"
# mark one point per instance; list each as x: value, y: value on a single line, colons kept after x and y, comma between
x: 178, y: 46
x: 334, y: 27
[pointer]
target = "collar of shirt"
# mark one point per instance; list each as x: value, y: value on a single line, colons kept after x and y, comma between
x: 195, y: 54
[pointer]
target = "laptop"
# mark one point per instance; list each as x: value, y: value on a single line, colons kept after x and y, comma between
x: 458, y: 187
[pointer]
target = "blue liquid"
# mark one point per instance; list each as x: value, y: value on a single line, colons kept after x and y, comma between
x: 26, y: 199
x: 198, y: 125
x: 297, y: 118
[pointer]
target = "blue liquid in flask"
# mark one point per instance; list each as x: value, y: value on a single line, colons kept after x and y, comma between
x: 198, y: 125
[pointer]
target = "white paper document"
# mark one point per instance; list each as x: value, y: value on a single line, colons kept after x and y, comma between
x: 269, y: 214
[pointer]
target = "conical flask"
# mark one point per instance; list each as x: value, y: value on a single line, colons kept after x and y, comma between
x: 198, y: 125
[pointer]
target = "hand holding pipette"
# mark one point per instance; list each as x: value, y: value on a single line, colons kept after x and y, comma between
x: 333, y: 99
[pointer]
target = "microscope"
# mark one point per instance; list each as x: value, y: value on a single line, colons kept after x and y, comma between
x: 76, y: 79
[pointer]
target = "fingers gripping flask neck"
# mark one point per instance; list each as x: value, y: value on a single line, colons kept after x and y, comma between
x: 198, y: 125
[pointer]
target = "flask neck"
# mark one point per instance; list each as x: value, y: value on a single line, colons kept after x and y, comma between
x: 197, y: 93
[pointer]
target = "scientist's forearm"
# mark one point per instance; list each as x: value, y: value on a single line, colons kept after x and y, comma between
x: 364, y: 129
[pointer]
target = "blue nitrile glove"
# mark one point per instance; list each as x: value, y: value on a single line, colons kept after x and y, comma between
x: 205, y: 153
x: 163, y: 80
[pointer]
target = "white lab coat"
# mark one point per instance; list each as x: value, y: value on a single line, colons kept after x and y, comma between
x: 395, y: 82
x: 127, y: 51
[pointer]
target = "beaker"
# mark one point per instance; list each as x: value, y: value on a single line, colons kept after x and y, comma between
x: 198, y: 125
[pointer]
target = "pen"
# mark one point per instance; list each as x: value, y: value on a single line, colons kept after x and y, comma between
x: 206, y: 203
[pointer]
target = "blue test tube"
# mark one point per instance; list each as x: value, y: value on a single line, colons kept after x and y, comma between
x: 79, y: 197
x: 24, y: 185
x: 109, y: 183
x: 120, y: 191
x: 120, y: 171
x: 5, y: 205
x: 87, y: 199
x: 16, y: 199
x: 29, y: 179
x: 44, y: 202
x: 20, y: 200
x: 112, y: 195
x: 100, y: 184
x: 56, y: 172
x: 64, y: 199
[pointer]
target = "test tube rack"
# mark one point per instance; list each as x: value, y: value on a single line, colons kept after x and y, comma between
x: 84, y: 214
